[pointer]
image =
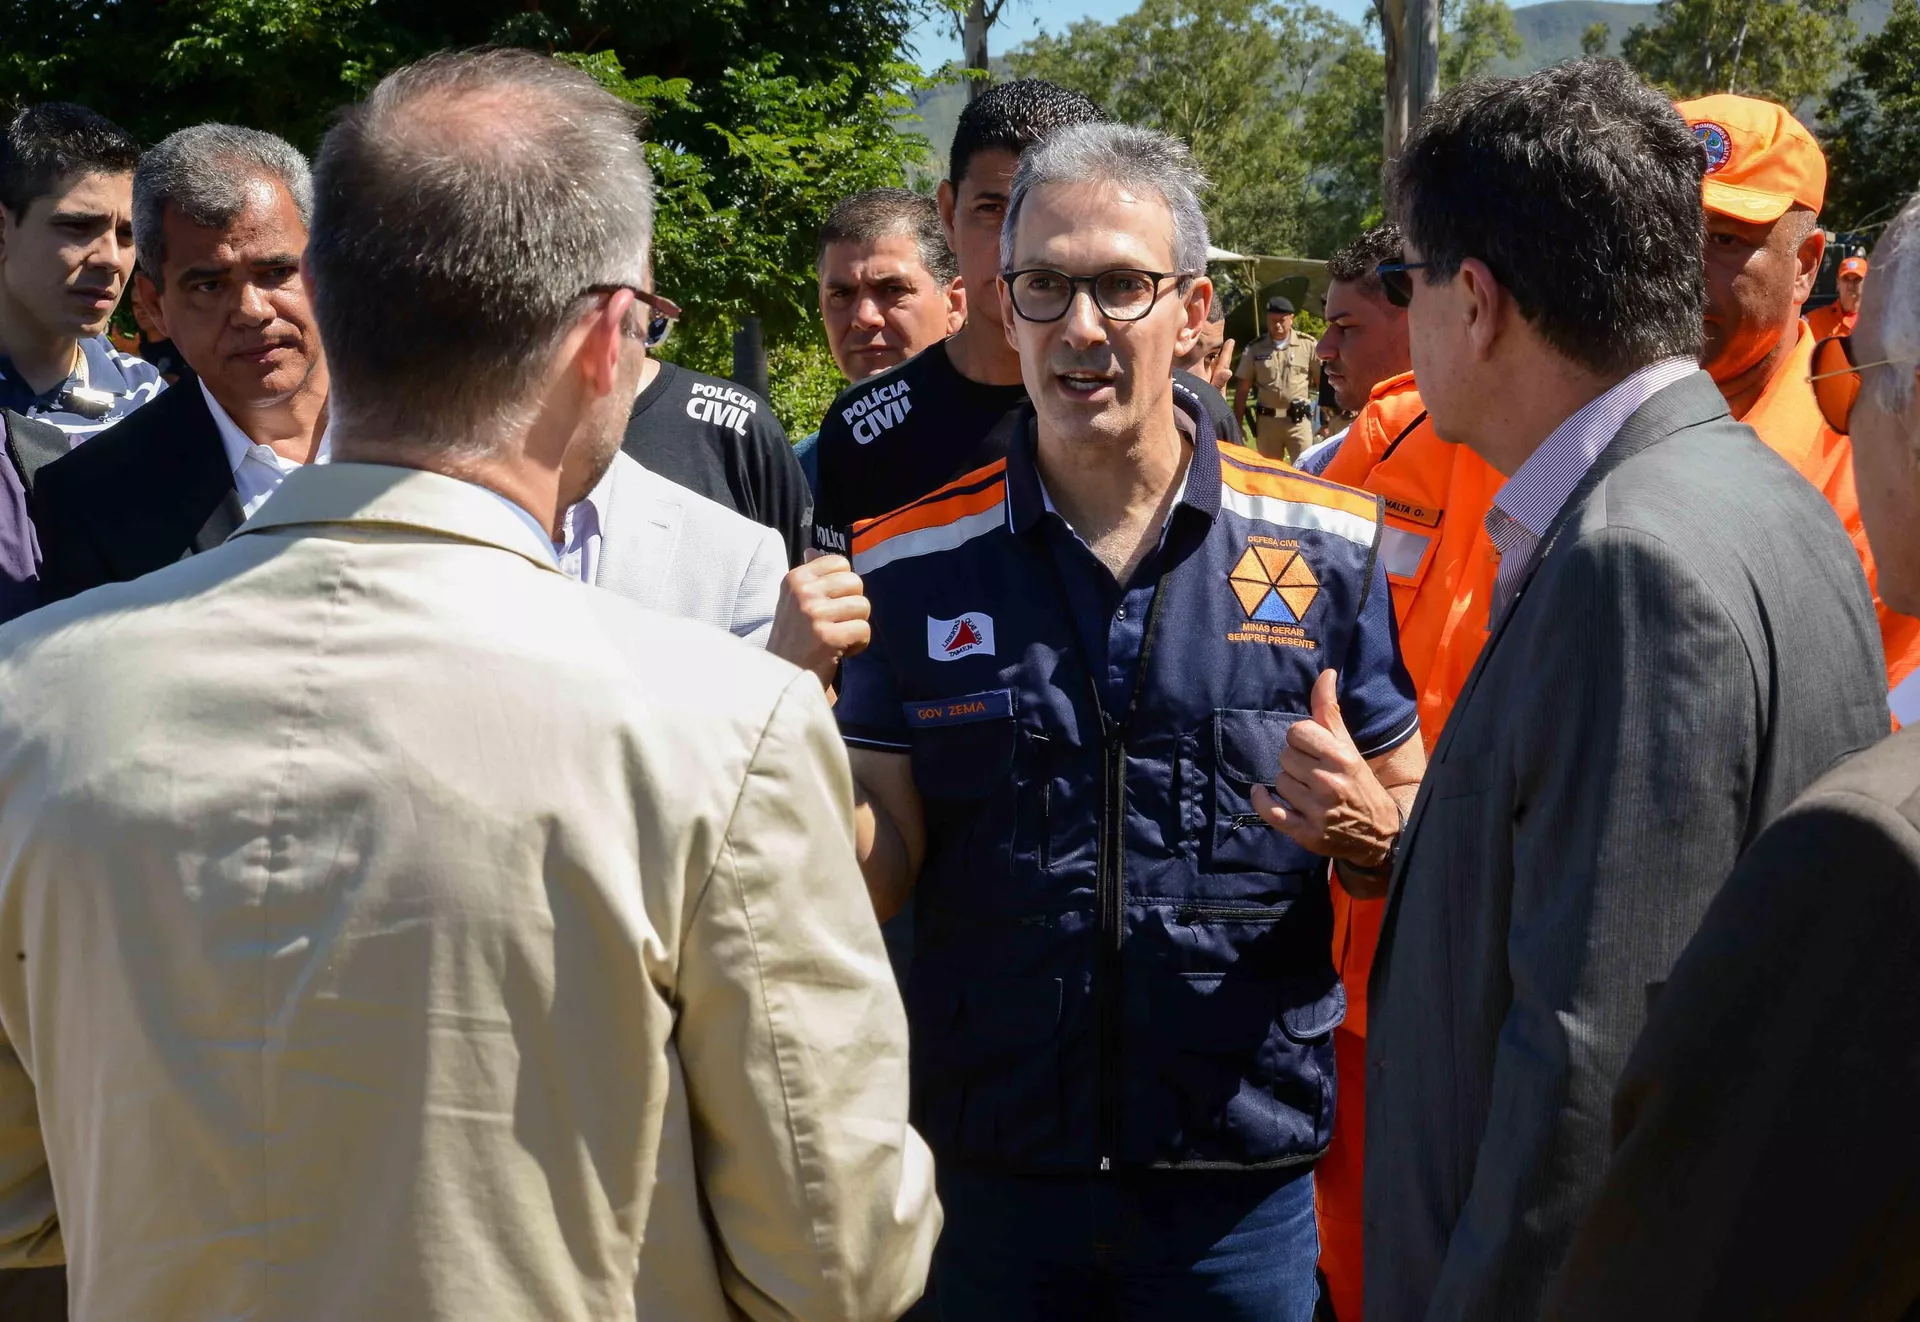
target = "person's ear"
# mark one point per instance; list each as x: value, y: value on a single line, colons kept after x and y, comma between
x: 945, y: 198
x: 1007, y: 318
x: 956, y: 305
x: 146, y: 302
x: 598, y: 357
x: 1482, y: 308
x: 1196, y: 304
x: 1813, y: 249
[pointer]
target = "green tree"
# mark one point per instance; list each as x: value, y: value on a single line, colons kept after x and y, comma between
x: 1783, y: 50
x: 1596, y: 39
x: 761, y: 113
x: 1233, y: 78
x: 1473, y: 34
x: 1345, y: 121
x: 1871, y: 125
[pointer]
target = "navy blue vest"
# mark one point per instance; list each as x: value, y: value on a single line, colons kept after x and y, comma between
x: 1116, y: 961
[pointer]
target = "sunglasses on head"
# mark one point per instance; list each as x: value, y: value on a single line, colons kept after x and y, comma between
x: 1396, y: 280
x: 1836, y: 380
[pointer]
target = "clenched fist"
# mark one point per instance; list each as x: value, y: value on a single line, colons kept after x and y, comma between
x: 821, y: 616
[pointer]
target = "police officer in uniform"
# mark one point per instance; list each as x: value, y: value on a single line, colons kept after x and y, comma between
x: 1285, y: 374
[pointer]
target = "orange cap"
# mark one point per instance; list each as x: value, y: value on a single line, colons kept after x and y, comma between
x: 1760, y: 159
x: 1853, y: 266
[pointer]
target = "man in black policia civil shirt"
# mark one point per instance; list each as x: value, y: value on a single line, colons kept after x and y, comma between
x: 722, y: 441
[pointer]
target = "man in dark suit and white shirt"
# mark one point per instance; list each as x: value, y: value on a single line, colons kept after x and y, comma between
x: 1766, y: 1150
x: 1682, y: 640
x: 220, y: 223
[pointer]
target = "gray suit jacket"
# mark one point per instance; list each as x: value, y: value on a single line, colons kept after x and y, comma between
x: 673, y: 550
x: 1767, y: 1158
x: 1695, y: 645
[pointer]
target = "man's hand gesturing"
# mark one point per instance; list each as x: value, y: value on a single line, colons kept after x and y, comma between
x: 821, y: 616
x: 1327, y: 798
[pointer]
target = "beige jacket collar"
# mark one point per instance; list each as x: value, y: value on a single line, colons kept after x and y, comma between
x: 379, y: 495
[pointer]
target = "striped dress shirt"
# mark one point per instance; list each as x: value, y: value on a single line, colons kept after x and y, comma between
x: 1534, y: 496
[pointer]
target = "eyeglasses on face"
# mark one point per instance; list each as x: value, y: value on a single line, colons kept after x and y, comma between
x: 665, y: 310
x: 1396, y: 280
x: 1124, y: 293
x: 1836, y: 380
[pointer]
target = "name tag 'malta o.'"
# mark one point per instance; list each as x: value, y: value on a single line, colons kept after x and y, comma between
x: 877, y: 410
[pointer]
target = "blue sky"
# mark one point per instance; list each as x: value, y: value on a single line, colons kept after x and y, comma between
x: 936, y: 42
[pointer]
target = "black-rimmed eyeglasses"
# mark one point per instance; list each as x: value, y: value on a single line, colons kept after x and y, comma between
x: 665, y: 310
x: 1124, y: 293
x: 1396, y: 280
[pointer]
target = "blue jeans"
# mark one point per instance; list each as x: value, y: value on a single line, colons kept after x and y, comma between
x: 1237, y: 1246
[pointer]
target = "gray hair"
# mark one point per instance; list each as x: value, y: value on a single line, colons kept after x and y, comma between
x: 1135, y: 159
x: 464, y: 211
x: 207, y: 171
x: 1896, y: 269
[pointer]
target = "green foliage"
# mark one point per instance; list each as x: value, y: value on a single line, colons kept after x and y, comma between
x: 1871, y: 125
x: 761, y: 113
x: 1345, y: 126
x: 1473, y: 34
x: 1782, y: 50
x: 1236, y: 79
x: 1595, y: 39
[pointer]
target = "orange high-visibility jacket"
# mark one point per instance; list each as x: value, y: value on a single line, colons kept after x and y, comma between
x: 1830, y: 321
x: 1788, y: 419
x: 1441, y: 565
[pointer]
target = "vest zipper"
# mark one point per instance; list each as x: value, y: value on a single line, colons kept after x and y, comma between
x: 1112, y: 866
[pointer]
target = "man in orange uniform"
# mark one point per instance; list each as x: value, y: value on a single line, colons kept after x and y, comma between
x: 1837, y: 317
x: 1441, y: 565
x: 1766, y: 179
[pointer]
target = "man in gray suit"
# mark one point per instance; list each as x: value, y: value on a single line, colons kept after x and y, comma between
x: 671, y: 549
x: 1682, y: 641
x: 1765, y: 1137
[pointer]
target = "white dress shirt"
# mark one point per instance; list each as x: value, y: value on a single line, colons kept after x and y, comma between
x: 1533, y: 497
x: 258, y: 470
x: 578, y: 550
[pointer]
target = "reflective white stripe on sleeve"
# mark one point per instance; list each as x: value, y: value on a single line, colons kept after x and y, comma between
x: 1905, y: 700
x: 1402, y: 551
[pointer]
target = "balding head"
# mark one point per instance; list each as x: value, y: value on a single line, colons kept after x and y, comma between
x: 461, y: 213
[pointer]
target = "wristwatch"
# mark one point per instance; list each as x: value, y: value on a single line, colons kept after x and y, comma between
x: 1385, y: 865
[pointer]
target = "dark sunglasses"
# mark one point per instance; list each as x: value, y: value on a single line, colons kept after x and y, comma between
x: 665, y: 310
x: 1396, y: 280
x: 1836, y: 380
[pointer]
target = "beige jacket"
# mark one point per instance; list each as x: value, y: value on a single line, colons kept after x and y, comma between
x: 392, y: 928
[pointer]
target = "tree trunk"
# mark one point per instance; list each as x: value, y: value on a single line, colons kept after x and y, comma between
x: 1410, y: 32
x: 973, y: 41
x: 750, y: 357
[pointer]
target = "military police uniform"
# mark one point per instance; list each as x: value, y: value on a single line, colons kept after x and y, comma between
x: 1285, y: 376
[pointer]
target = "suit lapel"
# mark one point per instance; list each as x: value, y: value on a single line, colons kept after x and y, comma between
x: 228, y: 515
x: 1686, y: 403
x: 638, y: 536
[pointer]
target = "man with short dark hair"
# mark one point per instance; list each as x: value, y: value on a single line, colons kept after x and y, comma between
x: 892, y: 438
x: 889, y: 288
x: 403, y: 929
x: 220, y: 215
x: 1440, y: 565
x: 1639, y: 712
x: 889, y: 285
x: 66, y: 252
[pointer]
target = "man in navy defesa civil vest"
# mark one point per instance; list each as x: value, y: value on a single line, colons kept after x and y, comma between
x: 1123, y: 695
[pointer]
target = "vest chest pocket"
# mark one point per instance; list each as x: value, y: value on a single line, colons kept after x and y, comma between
x: 1246, y: 752
x: 962, y: 746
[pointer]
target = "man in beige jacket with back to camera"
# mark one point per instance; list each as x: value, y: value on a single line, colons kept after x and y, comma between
x: 393, y: 928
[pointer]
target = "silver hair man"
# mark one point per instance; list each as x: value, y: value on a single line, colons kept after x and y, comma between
x: 1896, y: 270
x: 1885, y: 423
x: 445, y: 280
x: 206, y: 171
x: 1134, y: 159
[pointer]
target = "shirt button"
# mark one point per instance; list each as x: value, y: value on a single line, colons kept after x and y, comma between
x: 1120, y: 614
